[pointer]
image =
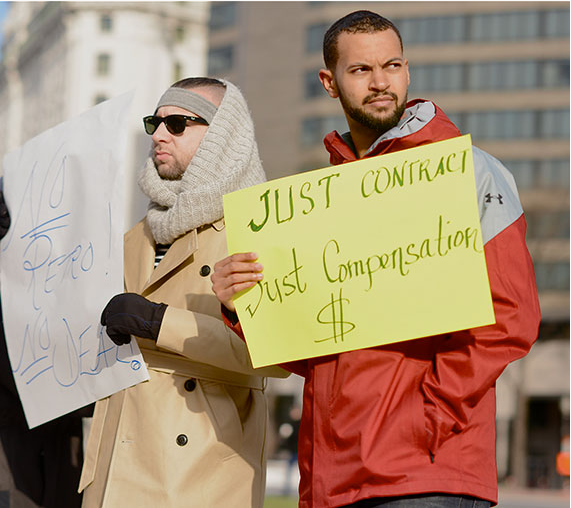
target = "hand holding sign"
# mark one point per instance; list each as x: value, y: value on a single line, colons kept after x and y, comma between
x: 233, y: 274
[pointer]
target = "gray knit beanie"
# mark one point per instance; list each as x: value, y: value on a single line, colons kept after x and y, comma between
x: 226, y: 160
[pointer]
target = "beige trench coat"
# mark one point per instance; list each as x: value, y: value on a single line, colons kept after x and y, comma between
x: 194, y: 434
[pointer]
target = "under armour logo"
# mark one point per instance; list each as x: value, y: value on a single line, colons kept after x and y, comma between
x: 489, y: 198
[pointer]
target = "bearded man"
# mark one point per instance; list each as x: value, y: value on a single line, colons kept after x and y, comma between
x: 410, y: 424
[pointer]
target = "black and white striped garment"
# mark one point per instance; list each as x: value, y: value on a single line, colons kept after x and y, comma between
x: 160, y: 251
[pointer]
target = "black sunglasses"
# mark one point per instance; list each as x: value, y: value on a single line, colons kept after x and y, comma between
x: 175, y: 123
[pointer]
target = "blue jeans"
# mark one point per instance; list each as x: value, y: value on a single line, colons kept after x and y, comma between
x: 422, y: 501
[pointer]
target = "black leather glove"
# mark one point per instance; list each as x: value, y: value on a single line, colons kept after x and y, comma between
x: 4, y: 216
x: 132, y: 314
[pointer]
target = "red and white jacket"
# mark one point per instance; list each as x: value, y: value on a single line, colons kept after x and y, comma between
x: 418, y: 417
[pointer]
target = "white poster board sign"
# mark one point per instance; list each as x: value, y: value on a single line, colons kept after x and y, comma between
x: 62, y: 260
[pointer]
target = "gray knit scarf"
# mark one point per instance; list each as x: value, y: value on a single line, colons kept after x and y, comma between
x: 226, y: 160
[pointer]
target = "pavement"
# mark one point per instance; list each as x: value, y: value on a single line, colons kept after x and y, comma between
x: 280, y: 481
x: 510, y: 497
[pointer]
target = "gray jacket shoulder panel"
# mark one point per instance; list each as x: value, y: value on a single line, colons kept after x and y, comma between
x: 498, y: 199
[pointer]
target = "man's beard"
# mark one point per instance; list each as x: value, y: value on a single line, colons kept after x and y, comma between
x: 174, y: 172
x: 376, y: 124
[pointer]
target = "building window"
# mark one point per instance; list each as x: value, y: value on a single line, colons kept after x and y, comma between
x: 222, y: 15
x: 434, y: 29
x: 556, y: 23
x: 552, y: 276
x: 500, y: 124
x: 542, y: 225
x: 502, y: 75
x: 505, y: 26
x: 554, y: 124
x: 314, y: 37
x: 516, y: 75
x: 555, y: 73
x: 553, y: 174
x: 103, y: 64
x: 523, y: 171
x: 513, y: 75
x: 106, y: 23
x: 312, y: 86
x: 546, y: 124
x: 542, y: 174
x: 314, y: 129
x: 438, y: 77
x: 220, y: 60
x: 99, y: 98
x: 486, y: 27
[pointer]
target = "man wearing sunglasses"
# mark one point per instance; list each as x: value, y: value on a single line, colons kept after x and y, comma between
x: 193, y: 435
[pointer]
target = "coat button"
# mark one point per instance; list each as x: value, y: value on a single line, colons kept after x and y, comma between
x: 190, y: 385
x: 205, y: 270
x: 181, y: 439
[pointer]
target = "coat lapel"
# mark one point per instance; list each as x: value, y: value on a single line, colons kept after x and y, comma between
x: 178, y: 253
x: 140, y: 276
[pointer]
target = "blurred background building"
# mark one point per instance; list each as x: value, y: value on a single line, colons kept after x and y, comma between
x: 500, y: 70
x: 61, y: 58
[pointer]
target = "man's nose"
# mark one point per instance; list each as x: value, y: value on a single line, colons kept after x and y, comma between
x: 161, y: 134
x: 379, y: 81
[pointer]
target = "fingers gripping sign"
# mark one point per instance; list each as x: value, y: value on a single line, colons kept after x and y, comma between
x: 234, y: 274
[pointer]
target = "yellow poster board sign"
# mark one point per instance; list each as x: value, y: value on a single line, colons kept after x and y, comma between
x: 363, y: 254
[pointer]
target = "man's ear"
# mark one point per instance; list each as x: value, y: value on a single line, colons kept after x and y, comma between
x: 328, y: 82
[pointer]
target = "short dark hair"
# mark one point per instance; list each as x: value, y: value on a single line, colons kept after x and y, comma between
x: 198, y: 82
x: 356, y: 22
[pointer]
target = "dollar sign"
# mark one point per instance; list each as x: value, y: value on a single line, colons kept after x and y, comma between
x: 334, y: 309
